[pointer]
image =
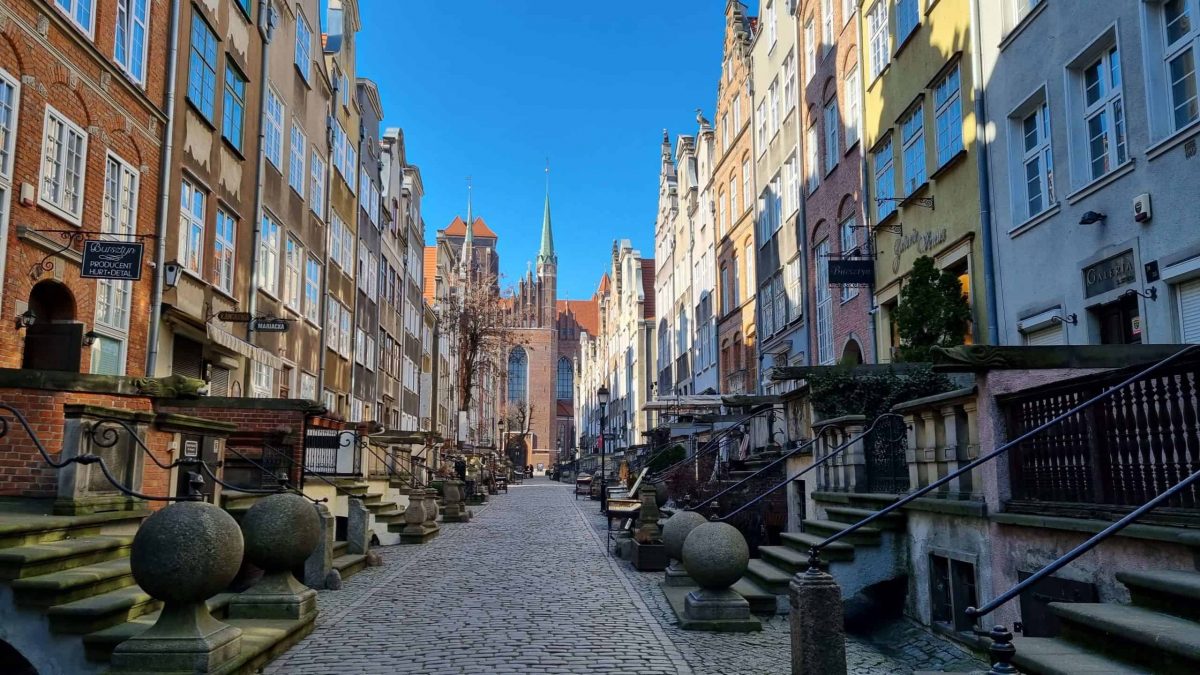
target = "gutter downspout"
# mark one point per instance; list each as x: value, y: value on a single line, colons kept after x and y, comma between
x: 266, y: 28
x: 809, y: 328
x: 985, y: 181
x: 873, y: 310
x: 164, y: 201
x: 327, y: 209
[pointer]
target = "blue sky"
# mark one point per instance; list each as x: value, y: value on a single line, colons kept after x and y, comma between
x: 491, y: 88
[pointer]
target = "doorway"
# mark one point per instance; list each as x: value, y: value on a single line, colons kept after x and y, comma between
x: 1119, y: 321
x: 54, y: 341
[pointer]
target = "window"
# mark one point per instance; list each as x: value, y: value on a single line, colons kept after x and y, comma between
x: 293, y: 260
x: 794, y: 286
x: 8, y: 122
x: 1037, y: 175
x: 789, y: 81
x: 202, y: 67
x: 907, y: 18
x: 721, y: 206
x: 725, y: 133
x: 733, y: 209
x: 790, y: 199
x: 773, y: 98
x: 775, y: 203
x: 335, y: 240
x: 262, y: 384
x: 833, y: 126
x: 885, y: 180
x: 735, y: 282
x: 728, y: 68
x: 952, y: 591
x: 303, y: 47
x: 223, y: 251
x: 849, y: 243
x: 810, y: 50
x: 80, y: 12
x: 747, y: 175
x: 912, y: 137
x: 1104, y: 116
x: 344, y: 334
x: 772, y: 24
x: 766, y: 311
x: 880, y: 39
x: 235, y: 106
x: 333, y: 316
x: 518, y: 375
x: 949, y: 116
x: 360, y: 346
x: 737, y: 113
x: 316, y: 188
x: 130, y: 49
x: 762, y: 126
x: 308, y: 387
x: 812, y: 154
x: 312, y: 289
x: 273, y: 129
x: 64, y: 162
x: 781, y: 302
x: 120, y: 198
x: 824, y: 305
x: 296, y: 159
x: 849, y: 9
x: 268, y: 256
x: 853, y: 96
x: 369, y: 359
x: 119, y: 218
x: 1021, y: 8
x: 191, y: 227
x: 827, y: 23
x: 245, y: 5
x: 1049, y: 336
x: 565, y: 384
x: 1188, y: 293
x: 347, y: 248
x: 1182, y: 40
x: 726, y: 288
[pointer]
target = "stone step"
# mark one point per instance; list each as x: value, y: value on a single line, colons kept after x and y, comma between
x: 801, y: 542
x: 380, y: 507
x: 1163, y: 642
x: 354, y: 488
x: 99, y: 645
x: 349, y: 564
x: 23, y: 529
x: 872, y: 501
x: 866, y: 535
x: 33, y: 560
x: 72, y: 584
x: 850, y: 515
x: 787, y: 559
x: 395, y: 515
x: 768, y: 576
x: 238, y: 500
x: 1055, y: 656
x: 339, y: 547
x: 762, y: 601
x: 1172, y: 591
x: 101, y: 611
x: 372, y: 498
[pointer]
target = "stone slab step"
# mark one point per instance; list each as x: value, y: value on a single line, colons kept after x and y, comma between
x: 801, y: 542
x: 32, y: 560
x: 372, y: 498
x: 850, y: 515
x: 99, y: 645
x: 349, y: 564
x: 381, y: 507
x: 1172, y: 591
x: 787, y: 559
x: 72, y: 584
x: 233, y: 498
x: 394, y: 515
x: 18, y: 528
x: 101, y: 611
x: 866, y: 535
x: 339, y: 547
x: 1055, y: 656
x: 768, y: 576
x: 761, y: 600
x: 1163, y: 641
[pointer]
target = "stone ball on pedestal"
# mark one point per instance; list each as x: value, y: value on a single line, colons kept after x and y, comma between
x: 187, y: 552
x: 281, y: 531
x: 676, y: 530
x: 715, y: 555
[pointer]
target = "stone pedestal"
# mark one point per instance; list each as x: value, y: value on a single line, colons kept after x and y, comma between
x: 82, y: 488
x: 280, y: 531
x: 677, y: 576
x: 651, y: 557
x: 716, y: 556
x: 358, y: 531
x: 455, y: 509
x: 648, y: 529
x: 185, y: 639
x: 703, y: 604
x: 818, y: 633
x: 320, y: 561
x: 419, y: 527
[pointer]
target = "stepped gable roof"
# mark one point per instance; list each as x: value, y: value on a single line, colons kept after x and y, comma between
x: 585, y: 312
x: 429, y: 283
x: 458, y: 228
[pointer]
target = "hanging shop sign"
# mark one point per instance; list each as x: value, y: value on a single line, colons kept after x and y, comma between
x: 851, y: 271
x: 239, y: 317
x: 270, y: 325
x: 112, y: 260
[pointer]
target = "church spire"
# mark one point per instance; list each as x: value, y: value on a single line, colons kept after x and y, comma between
x: 546, y: 252
x: 468, y: 254
x: 470, y: 218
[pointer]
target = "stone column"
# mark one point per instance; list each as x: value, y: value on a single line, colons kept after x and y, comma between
x: 320, y: 561
x: 358, y: 535
x: 855, y: 457
x: 818, y: 635
x: 948, y: 449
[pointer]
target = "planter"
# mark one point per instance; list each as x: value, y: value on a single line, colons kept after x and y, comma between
x: 649, y: 557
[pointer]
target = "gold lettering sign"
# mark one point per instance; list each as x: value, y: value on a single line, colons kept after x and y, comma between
x: 924, y: 241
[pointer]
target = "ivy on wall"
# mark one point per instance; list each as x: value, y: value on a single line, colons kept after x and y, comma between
x: 844, y: 391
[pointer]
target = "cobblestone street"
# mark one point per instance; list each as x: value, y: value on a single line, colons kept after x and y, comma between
x: 526, y: 587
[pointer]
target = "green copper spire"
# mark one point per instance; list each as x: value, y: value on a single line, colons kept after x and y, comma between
x: 546, y: 252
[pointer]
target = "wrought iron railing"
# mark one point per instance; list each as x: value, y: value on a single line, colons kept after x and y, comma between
x: 332, y: 453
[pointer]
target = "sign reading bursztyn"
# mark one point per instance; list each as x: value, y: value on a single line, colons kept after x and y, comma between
x: 111, y: 260
x: 851, y: 271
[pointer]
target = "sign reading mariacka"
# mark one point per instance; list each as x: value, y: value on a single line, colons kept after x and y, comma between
x: 112, y: 260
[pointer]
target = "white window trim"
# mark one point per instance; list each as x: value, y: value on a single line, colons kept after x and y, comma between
x: 297, y: 176
x: 884, y: 209
x: 303, y: 50
x: 268, y: 275
x: 944, y: 108
x: 1078, y: 152
x: 145, y: 21
x: 273, y: 150
x: 90, y: 29
x: 293, y: 297
x: 1019, y: 157
x: 833, y: 133
x: 1106, y: 105
x: 231, y: 245
x: 914, y: 143
x: 317, y: 176
x: 187, y: 220
x: 877, y: 29
x: 76, y: 217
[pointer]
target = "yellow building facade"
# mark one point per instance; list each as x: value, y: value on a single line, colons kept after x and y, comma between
x: 920, y: 135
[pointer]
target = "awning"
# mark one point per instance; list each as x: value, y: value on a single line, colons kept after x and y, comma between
x: 676, y: 402
x: 237, y: 345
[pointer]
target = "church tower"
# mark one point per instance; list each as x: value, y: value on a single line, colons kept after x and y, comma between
x: 547, y: 268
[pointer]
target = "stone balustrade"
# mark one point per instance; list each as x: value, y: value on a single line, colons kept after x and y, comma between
x: 943, y: 436
x: 846, y: 472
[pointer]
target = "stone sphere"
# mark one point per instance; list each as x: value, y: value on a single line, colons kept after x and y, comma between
x: 281, y: 531
x: 715, y: 555
x: 676, y: 530
x: 187, y: 552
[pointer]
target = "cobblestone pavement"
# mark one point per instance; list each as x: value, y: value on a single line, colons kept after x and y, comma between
x: 526, y: 587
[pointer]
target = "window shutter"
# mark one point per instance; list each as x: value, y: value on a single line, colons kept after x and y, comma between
x: 1045, y: 337
x: 219, y: 385
x: 1189, y: 311
x: 188, y: 358
x: 107, y: 356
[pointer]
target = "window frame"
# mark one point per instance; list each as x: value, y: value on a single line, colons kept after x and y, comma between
x: 942, y: 109
x: 224, y: 248
x: 134, y: 64
x: 912, y: 140
x: 907, y: 9
x: 853, y: 84
x: 1108, y: 107
x: 879, y: 38
x: 302, y: 56
x: 848, y: 242
x: 833, y: 128
x: 208, y: 75
x: 293, y: 279
x: 190, y: 224
x: 296, y: 165
x: 67, y: 127
x: 72, y: 14
x: 269, y: 255
x: 231, y: 99
x: 317, y: 171
x: 884, y: 174
x: 273, y: 114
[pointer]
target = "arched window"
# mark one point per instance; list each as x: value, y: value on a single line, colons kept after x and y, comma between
x: 565, y: 385
x: 518, y: 375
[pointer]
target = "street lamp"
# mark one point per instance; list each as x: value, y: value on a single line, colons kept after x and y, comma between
x: 602, y: 397
x: 558, y: 455
x: 503, y: 441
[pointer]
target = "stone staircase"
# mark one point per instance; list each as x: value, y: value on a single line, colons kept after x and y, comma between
x: 870, y: 556
x: 1158, y: 632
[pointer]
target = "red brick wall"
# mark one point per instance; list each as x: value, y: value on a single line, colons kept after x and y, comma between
x: 72, y: 72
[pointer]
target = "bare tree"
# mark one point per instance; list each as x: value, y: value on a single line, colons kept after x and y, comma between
x: 518, y: 420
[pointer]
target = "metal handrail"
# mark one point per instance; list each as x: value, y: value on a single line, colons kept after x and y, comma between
x: 814, y: 557
x: 832, y: 453
x: 309, y: 472
x: 712, y: 443
x: 795, y: 451
x: 1086, y: 546
x: 284, y: 485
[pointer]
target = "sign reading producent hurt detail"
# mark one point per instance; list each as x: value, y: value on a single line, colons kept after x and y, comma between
x: 112, y: 260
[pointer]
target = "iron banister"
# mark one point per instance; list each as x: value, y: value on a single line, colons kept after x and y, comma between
x: 814, y: 557
x: 801, y: 448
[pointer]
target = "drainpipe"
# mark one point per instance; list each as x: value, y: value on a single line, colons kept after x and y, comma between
x: 802, y: 217
x: 985, y: 195
x: 266, y: 28
x: 327, y: 209
x: 164, y: 200
x: 873, y: 310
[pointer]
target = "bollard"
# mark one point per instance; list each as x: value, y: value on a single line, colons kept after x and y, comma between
x: 818, y: 634
x: 1002, y: 652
